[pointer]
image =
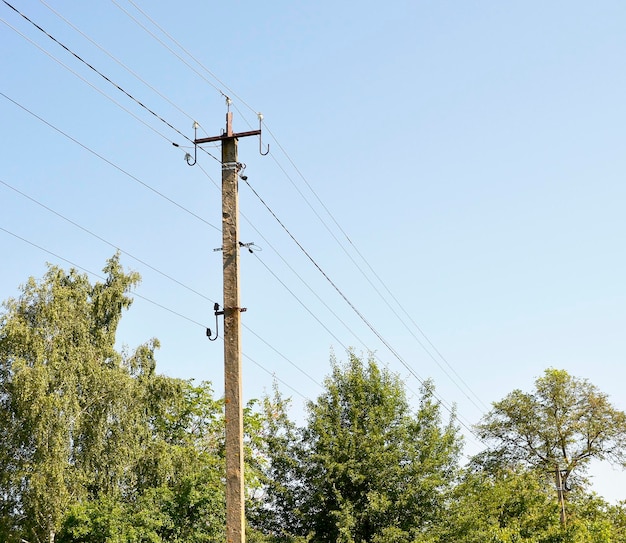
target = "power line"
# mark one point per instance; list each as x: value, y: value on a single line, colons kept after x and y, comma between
x: 231, y: 93
x: 352, y: 306
x: 386, y: 301
x: 100, y: 238
x: 143, y: 262
x: 91, y: 67
x: 293, y: 294
x: 77, y: 266
x: 274, y: 376
x: 160, y: 118
x: 167, y: 47
x: 85, y: 81
x: 309, y: 288
x: 113, y: 245
x: 212, y: 75
x: 324, y: 303
x: 309, y: 376
x: 301, y: 302
x: 119, y: 62
x: 383, y: 298
x: 169, y: 310
x: 345, y: 298
x: 110, y: 163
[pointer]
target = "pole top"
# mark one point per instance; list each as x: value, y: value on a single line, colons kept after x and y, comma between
x: 229, y: 124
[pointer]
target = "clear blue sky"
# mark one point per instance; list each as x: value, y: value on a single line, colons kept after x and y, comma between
x: 472, y: 154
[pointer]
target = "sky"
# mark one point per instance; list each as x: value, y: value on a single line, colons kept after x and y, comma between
x: 444, y: 186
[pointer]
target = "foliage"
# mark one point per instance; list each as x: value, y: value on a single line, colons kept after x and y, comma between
x: 274, y: 509
x: 364, y: 468
x: 98, y: 447
x: 506, y: 505
x: 62, y: 388
x: 564, y: 424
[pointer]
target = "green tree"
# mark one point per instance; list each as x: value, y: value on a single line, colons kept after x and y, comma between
x: 178, y: 495
x: 57, y: 362
x: 96, y: 444
x: 505, y: 505
x: 365, y: 467
x: 499, y: 506
x: 274, y: 509
x: 563, y: 425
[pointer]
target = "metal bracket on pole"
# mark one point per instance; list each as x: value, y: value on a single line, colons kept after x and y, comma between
x: 209, y: 334
x: 216, y: 308
x: 229, y: 134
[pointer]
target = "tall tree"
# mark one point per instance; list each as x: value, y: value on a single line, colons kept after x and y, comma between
x: 366, y: 469
x: 559, y: 428
x: 98, y: 447
x: 57, y: 359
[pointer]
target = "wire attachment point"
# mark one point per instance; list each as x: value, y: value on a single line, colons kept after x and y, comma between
x: 195, y: 146
x: 260, y: 116
x: 250, y: 246
x: 209, y: 334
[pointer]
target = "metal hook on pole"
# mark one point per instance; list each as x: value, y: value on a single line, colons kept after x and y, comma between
x: 209, y: 334
x: 260, y: 116
x: 195, y: 146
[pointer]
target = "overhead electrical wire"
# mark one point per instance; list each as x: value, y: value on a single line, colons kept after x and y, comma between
x: 293, y: 294
x: 323, y: 273
x: 289, y: 266
x: 171, y: 126
x: 150, y: 266
x: 346, y: 299
x: 147, y: 186
x: 306, y: 374
x: 367, y: 278
x: 311, y: 290
x: 77, y: 266
x: 274, y: 376
x: 109, y: 162
x: 100, y: 238
x: 319, y: 321
x: 78, y: 57
x: 231, y: 93
x: 168, y: 48
x: 107, y: 79
x: 86, y: 81
x: 159, y: 305
x: 385, y: 300
x: 451, y: 410
x: 119, y: 62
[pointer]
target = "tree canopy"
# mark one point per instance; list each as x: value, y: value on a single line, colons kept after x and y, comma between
x: 365, y: 468
x: 98, y: 447
x: 564, y: 424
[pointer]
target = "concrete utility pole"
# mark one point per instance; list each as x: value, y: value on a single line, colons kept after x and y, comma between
x: 235, y: 497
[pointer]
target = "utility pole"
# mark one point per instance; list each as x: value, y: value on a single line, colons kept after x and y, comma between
x: 235, y: 497
x: 561, y: 496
